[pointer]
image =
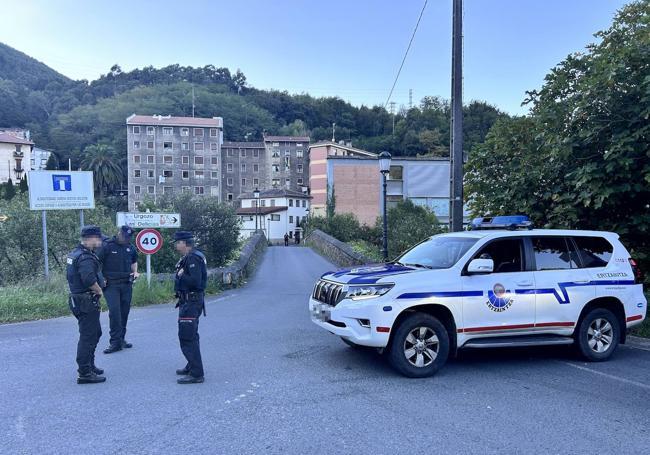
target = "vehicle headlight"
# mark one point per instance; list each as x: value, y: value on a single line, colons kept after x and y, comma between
x: 367, y: 291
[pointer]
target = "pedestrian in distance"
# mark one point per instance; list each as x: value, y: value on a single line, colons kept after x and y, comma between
x: 119, y: 259
x: 297, y: 236
x: 286, y: 239
x: 85, y: 282
x: 190, y: 282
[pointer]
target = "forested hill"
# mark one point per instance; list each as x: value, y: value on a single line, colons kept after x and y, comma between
x: 67, y: 116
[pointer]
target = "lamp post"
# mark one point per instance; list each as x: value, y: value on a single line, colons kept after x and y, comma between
x: 256, y: 195
x: 384, y: 168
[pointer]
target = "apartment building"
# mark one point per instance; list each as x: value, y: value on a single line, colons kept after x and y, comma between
x: 169, y: 154
x: 15, y: 152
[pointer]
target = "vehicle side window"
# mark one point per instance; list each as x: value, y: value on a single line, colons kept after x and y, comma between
x: 507, y: 255
x: 594, y: 251
x: 552, y: 253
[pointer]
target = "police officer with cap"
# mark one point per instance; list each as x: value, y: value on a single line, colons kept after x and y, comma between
x: 190, y: 282
x: 85, y: 282
x: 119, y: 260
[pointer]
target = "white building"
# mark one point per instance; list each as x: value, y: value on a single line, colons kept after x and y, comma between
x: 280, y: 212
x: 39, y: 159
x: 15, y: 152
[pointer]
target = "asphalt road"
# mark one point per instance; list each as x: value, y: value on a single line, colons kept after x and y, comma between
x: 276, y: 383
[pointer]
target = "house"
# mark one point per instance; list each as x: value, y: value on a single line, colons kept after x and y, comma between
x: 15, y: 151
x: 281, y: 211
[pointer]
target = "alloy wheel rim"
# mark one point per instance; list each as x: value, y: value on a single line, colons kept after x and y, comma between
x: 600, y: 335
x: 421, y: 347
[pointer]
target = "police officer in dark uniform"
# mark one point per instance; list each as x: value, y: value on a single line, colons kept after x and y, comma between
x: 85, y: 282
x: 119, y: 260
x: 191, y: 279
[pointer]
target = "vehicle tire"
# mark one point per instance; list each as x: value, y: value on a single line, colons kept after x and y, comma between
x: 419, y: 346
x: 598, y: 335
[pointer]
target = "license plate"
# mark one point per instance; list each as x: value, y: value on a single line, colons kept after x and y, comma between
x: 321, y: 311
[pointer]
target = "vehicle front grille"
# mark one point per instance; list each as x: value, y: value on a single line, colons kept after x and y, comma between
x: 328, y: 292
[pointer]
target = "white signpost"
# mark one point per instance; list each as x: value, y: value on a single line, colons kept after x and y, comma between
x: 59, y: 190
x: 149, y: 241
x: 149, y: 220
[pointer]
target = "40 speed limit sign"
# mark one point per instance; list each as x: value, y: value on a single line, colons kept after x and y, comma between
x: 149, y: 241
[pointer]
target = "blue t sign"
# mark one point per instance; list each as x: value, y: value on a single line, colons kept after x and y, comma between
x: 62, y: 182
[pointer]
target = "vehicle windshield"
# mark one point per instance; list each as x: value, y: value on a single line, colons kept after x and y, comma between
x: 440, y: 252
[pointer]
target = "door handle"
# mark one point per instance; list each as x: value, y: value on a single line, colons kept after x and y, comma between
x: 524, y: 283
x: 581, y: 281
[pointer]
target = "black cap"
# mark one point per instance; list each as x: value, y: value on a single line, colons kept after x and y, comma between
x: 91, y: 231
x: 183, y: 235
x: 126, y: 231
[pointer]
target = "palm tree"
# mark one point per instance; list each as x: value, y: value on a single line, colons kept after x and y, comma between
x: 101, y: 160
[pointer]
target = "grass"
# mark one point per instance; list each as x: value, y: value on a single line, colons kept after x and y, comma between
x: 48, y: 299
x: 367, y: 249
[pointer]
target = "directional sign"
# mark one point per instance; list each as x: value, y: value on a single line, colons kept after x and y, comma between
x: 149, y: 220
x: 61, y: 190
x: 3, y: 218
x: 149, y: 241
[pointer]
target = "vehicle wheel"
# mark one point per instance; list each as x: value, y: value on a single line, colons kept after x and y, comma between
x: 419, y: 347
x: 598, y: 335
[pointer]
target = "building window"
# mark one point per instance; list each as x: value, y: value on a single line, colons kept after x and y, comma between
x: 287, y: 183
x: 185, y: 189
x: 229, y: 182
x: 230, y: 196
x: 151, y: 189
x: 214, y: 191
x: 136, y: 145
x: 256, y: 153
x: 168, y: 131
x: 276, y: 154
x: 168, y: 190
x: 275, y: 217
x: 150, y: 131
x: 243, y: 167
x: 299, y: 169
x: 137, y: 173
x: 276, y: 144
x: 263, y: 203
x: 214, y: 161
x: 213, y: 132
x: 287, y: 162
x: 229, y: 167
x: 304, y: 203
x: 150, y: 159
x: 136, y: 159
x: 136, y: 189
x: 214, y: 174
x: 185, y: 145
x: 198, y: 132
x: 198, y: 160
x: 213, y: 146
x: 299, y: 154
x: 185, y: 159
x: 256, y: 182
x: 136, y: 130
x: 291, y: 219
x: 168, y: 174
x: 299, y: 181
x: 198, y: 146
x: 275, y: 183
x: 167, y: 146
x: 290, y: 202
x: 243, y: 182
x: 243, y: 153
x: 167, y: 159
x: 150, y: 173
x: 150, y: 145
x: 198, y: 190
x: 185, y: 175
x: 185, y: 131
x: 276, y: 167
x: 230, y: 152
x: 396, y: 173
x: 272, y: 202
x: 256, y: 167
x: 198, y: 174
x: 298, y: 144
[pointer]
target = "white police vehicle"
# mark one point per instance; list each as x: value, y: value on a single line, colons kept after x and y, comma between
x: 500, y: 284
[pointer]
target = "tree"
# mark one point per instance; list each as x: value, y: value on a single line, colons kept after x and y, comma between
x: 101, y: 160
x: 10, y: 190
x: 52, y: 163
x: 23, y: 185
x: 408, y: 224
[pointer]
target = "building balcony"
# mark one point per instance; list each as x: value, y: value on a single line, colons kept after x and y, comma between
x: 395, y: 188
x: 18, y: 154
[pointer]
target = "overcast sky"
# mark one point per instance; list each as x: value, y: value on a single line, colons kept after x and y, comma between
x: 351, y: 49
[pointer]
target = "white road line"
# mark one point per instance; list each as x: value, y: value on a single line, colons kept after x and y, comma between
x: 610, y: 376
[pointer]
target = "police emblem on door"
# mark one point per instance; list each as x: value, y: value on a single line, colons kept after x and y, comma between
x: 499, y: 299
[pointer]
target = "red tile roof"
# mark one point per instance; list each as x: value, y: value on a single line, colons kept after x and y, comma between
x: 215, y: 122
x: 262, y: 210
x: 11, y: 139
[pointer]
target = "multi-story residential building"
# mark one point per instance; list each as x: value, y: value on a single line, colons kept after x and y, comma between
x: 280, y: 212
x: 15, y: 152
x: 39, y: 159
x: 352, y: 178
x: 288, y: 159
x: 173, y: 154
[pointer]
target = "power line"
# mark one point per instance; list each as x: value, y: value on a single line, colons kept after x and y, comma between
x: 406, y: 53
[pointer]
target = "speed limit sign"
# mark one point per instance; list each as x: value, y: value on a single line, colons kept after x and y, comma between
x: 148, y: 241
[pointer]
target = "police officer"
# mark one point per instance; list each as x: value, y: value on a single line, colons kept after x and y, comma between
x: 191, y: 278
x: 85, y: 282
x: 119, y: 260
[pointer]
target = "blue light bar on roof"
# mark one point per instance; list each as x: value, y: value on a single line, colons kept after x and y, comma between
x: 511, y: 222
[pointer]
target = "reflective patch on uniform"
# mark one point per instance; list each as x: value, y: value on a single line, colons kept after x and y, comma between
x: 68, y: 261
x: 192, y: 265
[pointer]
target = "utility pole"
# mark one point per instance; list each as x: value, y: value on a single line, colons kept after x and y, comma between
x: 333, y: 131
x: 392, y: 111
x: 456, y: 146
x: 192, y: 100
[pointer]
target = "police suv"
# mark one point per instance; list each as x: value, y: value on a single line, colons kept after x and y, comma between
x: 500, y: 284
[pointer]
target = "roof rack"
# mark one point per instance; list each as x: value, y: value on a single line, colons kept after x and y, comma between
x: 509, y: 222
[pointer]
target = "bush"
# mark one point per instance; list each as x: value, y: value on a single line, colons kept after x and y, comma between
x: 408, y: 225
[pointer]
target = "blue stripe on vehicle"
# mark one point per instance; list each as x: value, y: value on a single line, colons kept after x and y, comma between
x: 423, y: 295
x: 373, y: 279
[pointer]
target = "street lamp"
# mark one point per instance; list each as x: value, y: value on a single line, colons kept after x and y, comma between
x: 384, y: 168
x: 256, y: 195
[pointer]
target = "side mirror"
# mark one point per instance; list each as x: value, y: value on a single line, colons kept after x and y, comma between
x: 478, y: 266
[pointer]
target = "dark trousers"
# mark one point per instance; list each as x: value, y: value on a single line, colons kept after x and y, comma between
x: 189, y: 312
x: 90, y: 331
x: 118, y: 299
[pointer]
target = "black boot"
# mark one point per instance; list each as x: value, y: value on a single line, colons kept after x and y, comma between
x: 90, y: 378
x: 190, y: 380
x: 183, y: 371
x: 126, y: 344
x: 96, y: 370
x: 112, y: 348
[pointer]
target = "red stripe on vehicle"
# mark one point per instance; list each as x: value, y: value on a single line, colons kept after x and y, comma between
x: 555, y: 324
x: 516, y: 326
x: 635, y: 318
x: 383, y: 329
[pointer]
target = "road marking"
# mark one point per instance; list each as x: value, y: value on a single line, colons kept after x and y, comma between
x: 20, y: 427
x: 609, y: 376
x: 22, y: 339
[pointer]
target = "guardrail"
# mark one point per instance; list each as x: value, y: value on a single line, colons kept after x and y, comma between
x: 336, y: 251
